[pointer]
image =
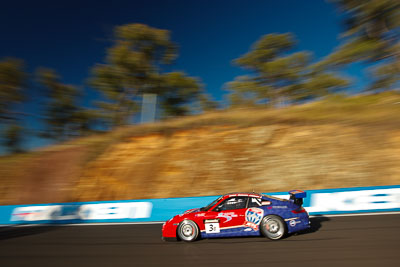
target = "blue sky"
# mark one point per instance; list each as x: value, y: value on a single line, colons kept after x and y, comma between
x: 72, y: 36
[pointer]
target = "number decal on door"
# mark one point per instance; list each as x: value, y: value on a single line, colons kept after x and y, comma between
x: 212, y: 228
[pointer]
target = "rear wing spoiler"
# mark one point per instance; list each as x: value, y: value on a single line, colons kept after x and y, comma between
x: 297, y: 196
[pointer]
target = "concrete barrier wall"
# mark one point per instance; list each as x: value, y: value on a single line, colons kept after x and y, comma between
x: 318, y: 202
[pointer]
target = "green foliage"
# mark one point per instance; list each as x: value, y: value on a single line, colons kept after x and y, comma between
x: 247, y: 91
x: 13, y: 138
x: 370, y: 19
x: 371, y: 36
x: 120, y: 103
x: 143, y: 47
x: 84, y: 121
x: 386, y: 76
x: 321, y: 84
x: 176, y: 91
x: 13, y: 81
x: 63, y: 116
x: 354, y: 50
x: 279, y: 76
x: 133, y: 67
x: 206, y: 103
x: 13, y: 87
x: 266, y: 49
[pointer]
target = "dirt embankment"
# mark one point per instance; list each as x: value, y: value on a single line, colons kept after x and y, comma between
x: 335, y: 143
x: 47, y: 177
x: 217, y: 160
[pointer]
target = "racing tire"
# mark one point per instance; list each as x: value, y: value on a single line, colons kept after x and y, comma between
x: 273, y: 227
x: 188, y: 231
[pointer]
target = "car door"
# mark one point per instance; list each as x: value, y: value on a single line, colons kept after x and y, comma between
x: 227, y: 218
x: 253, y: 214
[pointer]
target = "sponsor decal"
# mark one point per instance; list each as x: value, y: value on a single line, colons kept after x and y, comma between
x: 227, y: 215
x: 36, y: 213
x: 200, y: 214
x: 102, y: 211
x: 279, y: 207
x: 105, y: 211
x: 253, y: 217
x: 289, y: 219
x: 376, y: 199
x: 266, y: 203
x: 292, y: 223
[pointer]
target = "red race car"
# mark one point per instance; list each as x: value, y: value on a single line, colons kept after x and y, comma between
x: 240, y: 214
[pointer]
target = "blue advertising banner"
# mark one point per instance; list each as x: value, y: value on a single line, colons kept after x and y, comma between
x: 318, y: 202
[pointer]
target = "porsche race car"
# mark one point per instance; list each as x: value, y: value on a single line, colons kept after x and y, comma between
x: 240, y: 214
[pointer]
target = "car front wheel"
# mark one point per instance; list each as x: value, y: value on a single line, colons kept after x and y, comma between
x: 188, y: 231
x: 273, y: 227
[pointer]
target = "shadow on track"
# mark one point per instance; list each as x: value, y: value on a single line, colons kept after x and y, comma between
x: 9, y: 232
x: 316, y: 224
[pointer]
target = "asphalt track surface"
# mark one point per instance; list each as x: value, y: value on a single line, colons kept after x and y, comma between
x: 336, y: 241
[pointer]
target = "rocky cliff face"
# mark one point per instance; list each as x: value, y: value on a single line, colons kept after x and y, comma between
x: 337, y: 142
x: 215, y: 160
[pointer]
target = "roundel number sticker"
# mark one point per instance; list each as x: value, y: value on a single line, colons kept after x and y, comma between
x: 212, y: 228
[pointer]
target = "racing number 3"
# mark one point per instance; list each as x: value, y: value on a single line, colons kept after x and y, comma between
x: 212, y: 228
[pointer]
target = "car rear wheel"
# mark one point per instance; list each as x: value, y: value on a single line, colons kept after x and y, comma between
x: 188, y: 231
x: 273, y: 227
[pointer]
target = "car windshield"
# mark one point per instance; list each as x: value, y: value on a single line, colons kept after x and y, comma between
x: 211, y: 204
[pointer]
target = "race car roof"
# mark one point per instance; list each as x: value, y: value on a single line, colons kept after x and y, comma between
x: 243, y: 194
